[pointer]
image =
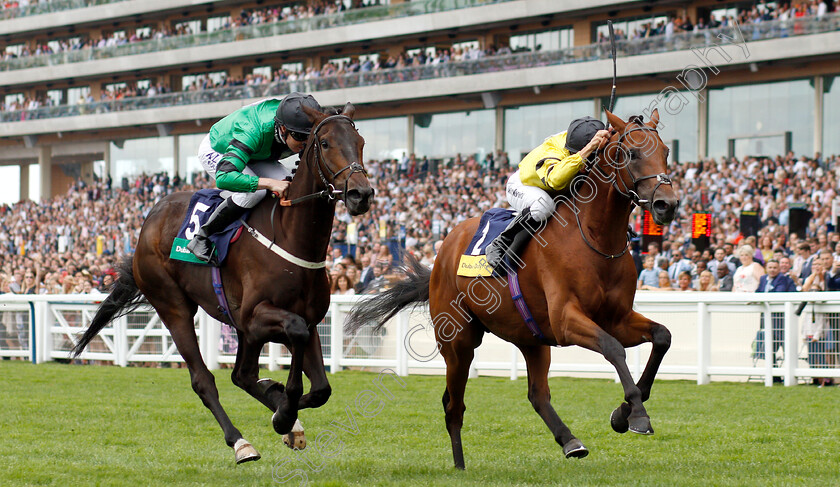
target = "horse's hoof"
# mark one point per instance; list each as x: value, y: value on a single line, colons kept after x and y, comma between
x: 245, y: 452
x: 575, y: 449
x: 283, y: 423
x: 641, y: 426
x: 618, y: 418
x: 295, y: 439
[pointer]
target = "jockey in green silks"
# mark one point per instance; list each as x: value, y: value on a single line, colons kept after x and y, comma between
x: 242, y: 153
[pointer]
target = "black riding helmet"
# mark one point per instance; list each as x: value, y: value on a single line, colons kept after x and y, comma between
x: 290, y: 114
x: 581, y: 131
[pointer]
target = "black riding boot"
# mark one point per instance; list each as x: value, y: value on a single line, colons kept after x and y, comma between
x: 224, y: 215
x: 511, y: 240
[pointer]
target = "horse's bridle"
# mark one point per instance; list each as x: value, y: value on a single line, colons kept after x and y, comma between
x: 631, y: 194
x: 329, y: 192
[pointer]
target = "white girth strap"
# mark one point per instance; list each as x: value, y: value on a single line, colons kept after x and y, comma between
x: 282, y: 253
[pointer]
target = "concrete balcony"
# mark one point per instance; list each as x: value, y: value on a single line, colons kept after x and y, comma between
x: 684, y: 69
x: 263, y: 39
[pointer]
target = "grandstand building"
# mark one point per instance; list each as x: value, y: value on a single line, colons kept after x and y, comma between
x: 131, y: 86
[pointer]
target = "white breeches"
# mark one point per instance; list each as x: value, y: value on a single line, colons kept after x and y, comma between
x: 210, y: 159
x: 521, y: 196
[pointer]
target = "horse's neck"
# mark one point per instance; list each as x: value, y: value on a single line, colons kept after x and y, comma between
x: 305, y: 229
x: 604, y: 217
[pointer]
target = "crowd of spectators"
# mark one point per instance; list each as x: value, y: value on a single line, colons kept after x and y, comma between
x: 418, y: 201
x: 755, y: 15
x: 45, y: 250
x: 769, y: 186
x: 279, y: 13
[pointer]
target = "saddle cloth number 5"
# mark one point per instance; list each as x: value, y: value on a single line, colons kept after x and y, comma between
x: 195, y: 224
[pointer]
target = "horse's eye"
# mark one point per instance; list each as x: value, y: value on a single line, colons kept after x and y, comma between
x: 325, y: 145
x: 634, y: 155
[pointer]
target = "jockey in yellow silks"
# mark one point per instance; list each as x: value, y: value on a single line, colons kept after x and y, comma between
x: 549, y: 167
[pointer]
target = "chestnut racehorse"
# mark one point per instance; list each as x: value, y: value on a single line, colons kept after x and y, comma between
x: 270, y: 298
x: 577, y: 279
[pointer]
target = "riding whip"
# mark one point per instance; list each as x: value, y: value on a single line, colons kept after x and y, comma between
x: 612, y: 51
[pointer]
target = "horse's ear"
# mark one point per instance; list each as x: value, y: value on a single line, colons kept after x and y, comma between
x: 349, y: 110
x: 314, y: 115
x: 615, y: 121
x: 654, y: 118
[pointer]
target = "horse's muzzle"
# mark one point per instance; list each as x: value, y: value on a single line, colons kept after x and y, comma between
x: 358, y: 200
x: 663, y: 210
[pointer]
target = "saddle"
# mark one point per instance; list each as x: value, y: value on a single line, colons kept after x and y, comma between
x: 202, y: 204
x: 474, y: 262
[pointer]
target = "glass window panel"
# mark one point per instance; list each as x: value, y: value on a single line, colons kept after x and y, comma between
x: 339, y: 61
x: 142, y: 156
x: 9, y: 184
x: 385, y: 138
x: 15, y: 49
x: 113, y: 87
x: 14, y: 98
x: 216, y: 78
x: 188, y: 165
x: 56, y: 96
x: 292, y: 67
x: 216, y: 23
x: 263, y: 71
x: 550, y: 40
x: 190, y: 26
x: 760, y: 111
x: 78, y: 95
x: 527, y: 127
x: 630, y: 26
x: 831, y: 116
x: 466, y: 45
x: 677, y: 119
x: 448, y: 134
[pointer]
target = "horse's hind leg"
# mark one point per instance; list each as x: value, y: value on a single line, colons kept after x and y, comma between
x: 538, y: 360
x: 458, y: 352
x: 640, y: 329
x: 179, y: 321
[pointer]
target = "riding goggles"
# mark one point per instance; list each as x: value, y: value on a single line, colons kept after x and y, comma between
x: 299, y: 136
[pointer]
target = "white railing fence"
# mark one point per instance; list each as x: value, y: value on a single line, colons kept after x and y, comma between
x: 715, y: 336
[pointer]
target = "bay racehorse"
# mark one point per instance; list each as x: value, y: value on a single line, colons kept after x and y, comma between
x: 270, y: 298
x: 577, y: 279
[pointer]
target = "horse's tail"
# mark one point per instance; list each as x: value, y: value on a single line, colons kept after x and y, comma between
x: 125, y: 297
x: 414, y: 289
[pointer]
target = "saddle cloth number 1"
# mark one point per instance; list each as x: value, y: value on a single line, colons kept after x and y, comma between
x: 195, y: 224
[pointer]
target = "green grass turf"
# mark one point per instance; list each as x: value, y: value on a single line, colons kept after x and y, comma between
x: 90, y: 425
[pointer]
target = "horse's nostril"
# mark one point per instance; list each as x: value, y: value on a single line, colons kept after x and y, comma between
x: 660, y: 206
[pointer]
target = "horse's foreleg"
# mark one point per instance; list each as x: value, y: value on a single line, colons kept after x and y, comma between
x: 639, y: 330
x: 282, y: 326
x: 538, y: 360
x: 582, y: 331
